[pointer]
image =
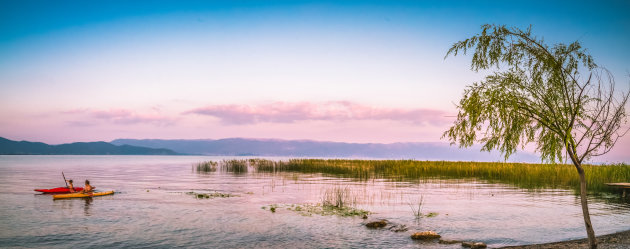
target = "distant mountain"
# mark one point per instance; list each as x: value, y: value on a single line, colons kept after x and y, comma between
x: 307, y: 148
x: 10, y: 147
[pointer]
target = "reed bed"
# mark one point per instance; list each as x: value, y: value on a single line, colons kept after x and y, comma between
x: 208, y: 166
x: 234, y: 166
x: 523, y: 175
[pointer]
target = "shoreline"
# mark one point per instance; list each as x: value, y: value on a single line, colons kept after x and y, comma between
x: 617, y: 240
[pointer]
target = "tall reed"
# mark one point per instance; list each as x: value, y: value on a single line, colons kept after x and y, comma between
x: 523, y: 175
x: 338, y: 197
x: 208, y: 166
x: 234, y: 166
x: 416, y: 207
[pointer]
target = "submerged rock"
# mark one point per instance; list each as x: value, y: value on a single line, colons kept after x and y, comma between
x: 376, y: 224
x: 479, y: 245
x: 474, y: 245
x: 398, y: 228
x: 426, y: 235
x: 449, y: 242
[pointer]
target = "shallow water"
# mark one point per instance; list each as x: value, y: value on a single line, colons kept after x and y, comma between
x: 151, y: 208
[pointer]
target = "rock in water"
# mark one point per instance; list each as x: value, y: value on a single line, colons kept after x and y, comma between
x: 474, y: 245
x: 398, y: 228
x: 376, y: 224
x: 448, y: 241
x: 479, y: 245
x: 426, y: 235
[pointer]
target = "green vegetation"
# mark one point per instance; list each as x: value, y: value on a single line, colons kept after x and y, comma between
x: 431, y: 214
x: 319, y: 209
x: 338, y: 200
x: 522, y: 175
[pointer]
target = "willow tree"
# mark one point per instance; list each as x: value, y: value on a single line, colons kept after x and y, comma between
x: 555, y: 97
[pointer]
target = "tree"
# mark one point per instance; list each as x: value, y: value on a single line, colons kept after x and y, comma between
x: 555, y: 97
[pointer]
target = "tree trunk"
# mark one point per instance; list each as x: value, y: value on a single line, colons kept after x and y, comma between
x: 587, y: 217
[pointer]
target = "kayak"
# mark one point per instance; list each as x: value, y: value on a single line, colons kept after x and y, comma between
x: 58, y: 190
x: 82, y: 195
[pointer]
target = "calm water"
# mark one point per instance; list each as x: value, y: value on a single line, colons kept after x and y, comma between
x: 150, y: 208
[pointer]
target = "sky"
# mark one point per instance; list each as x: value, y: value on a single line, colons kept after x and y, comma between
x: 346, y: 71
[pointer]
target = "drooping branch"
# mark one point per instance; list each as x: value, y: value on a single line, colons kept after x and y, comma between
x: 540, y: 91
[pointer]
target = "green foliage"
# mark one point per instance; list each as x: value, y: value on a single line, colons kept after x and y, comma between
x: 536, y: 95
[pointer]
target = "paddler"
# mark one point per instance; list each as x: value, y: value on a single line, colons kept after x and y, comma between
x: 88, y: 189
x: 70, y: 187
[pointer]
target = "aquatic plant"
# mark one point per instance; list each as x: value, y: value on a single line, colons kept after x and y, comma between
x: 234, y: 166
x: 416, y: 207
x: 319, y: 209
x: 523, y: 175
x: 338, y: 197
x: 211, y: 195
x: 207, y: 166
x: 431, y: 214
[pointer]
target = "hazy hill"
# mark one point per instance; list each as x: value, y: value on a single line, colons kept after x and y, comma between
x: 10, y: 147
x: 307, y: 148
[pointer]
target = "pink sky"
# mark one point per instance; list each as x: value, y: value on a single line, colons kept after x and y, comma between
x: 342, y: 121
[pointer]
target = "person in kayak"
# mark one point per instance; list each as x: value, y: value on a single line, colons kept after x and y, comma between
x: 88, y: 189
x: 70, y: 186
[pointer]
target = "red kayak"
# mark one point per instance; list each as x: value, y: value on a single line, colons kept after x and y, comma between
x: 58, y: 190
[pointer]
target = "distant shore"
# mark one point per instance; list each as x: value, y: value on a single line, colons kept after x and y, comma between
x: 610, y: 241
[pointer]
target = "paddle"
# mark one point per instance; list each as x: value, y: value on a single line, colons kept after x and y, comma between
x: 64, y: 179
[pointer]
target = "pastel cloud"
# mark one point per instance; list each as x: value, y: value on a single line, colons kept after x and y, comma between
x: 118, y: 116
x: 287, y: 112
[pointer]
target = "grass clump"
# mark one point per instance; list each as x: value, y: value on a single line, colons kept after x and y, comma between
x: 338, y: 200
x: 338, y: 197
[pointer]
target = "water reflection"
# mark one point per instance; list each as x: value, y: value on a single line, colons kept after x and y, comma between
x: 86, y: 207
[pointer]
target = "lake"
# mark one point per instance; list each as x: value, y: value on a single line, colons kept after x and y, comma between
x: 151, y: 208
